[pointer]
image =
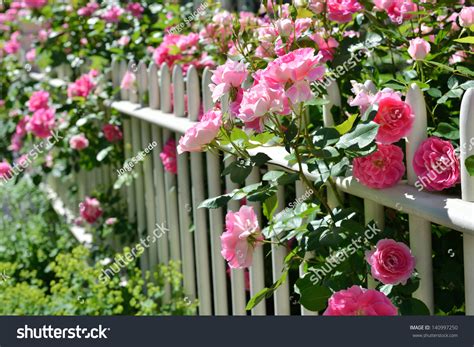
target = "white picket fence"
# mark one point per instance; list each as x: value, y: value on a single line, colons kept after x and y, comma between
x: 160, y: 198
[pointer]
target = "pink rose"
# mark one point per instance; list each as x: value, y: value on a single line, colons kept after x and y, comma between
x: 231, y: 74
x: 41, y: 123
x: 295, y: 70
x: 284, y: 27
x: 457, y: 57
x: 124, y: 40
x: 202, y: 133
x: 466, y: 17
x: 111, y: 221
x: 31, y: 55
x: 112, y: 132
x: 112, y: 15
x: 88, y: 10
x: 81, y: 87
x: 128, y: 80
x: 12, y: 46
x: 135, y: 9
x: 241, y: 237
x: 419, y: 49
x: 79, y: 142
x: 35, y: 3
x: 342, y: 10
x: 5, y: 170
x: 436, y: 164
x: 397, y: 10
x: 38, y: 100
x: 90, y: 210
x: 317, y: 6
x: 261, y: 99
x: 168, y: 156
x: 395, y: 119
x: 391, y: 262
x: 358, y: 301
x: 381, y: 169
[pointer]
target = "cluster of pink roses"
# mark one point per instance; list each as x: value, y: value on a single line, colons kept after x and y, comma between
x: 202, y: 133
x: 41, y: 123
x: 83, y: 86
x: 168, y: 156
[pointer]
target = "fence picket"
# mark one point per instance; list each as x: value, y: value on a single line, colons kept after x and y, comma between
x: 466, y: 130
x: 420, y: 229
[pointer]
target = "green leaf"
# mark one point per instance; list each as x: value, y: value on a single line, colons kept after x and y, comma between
x: 465, y: 71
x: 347, y: 125
x: 216, y: 202
x: 315, y: 298
x: 272, y: 175
x: 386, y: 289
x: 447, y: 130
x: 260, y: 159
x: 316, y: 102
x: 469, y: 39
x: 413, y: 307
x: 266, y: 292
x: 434, y: 92
x: 362, y: 136
x: 470, y: 165
x: 269, y: 206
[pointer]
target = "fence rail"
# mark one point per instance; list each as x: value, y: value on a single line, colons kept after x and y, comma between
x: 158, y: 197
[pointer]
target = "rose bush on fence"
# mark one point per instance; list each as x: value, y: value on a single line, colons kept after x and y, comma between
x: 273, y: 68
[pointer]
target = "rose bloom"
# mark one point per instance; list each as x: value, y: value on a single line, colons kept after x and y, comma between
x: 358, y: 301
x: 395, y: 119
x: 419, y: 49
x: 88, y: 10
x: 111, y: 221
x: 436, y: 164
x: 128, y: 80
x: 135, y: 9
x: 466, y: 17
x: 297, y: 68
x: 81, y: 87
x: 391, y: 262
x: 13, y: 45
x: 5, y: 170
x: 31, y: 55
x: 124, y: 40
x: 90, y: 210
x: 231, y: 74
x: 202, y: 133
x: 79, y: 142
x: 397, y: 10
x: 381, y: 169
x: 112, y: 15
x: 241, y: 237
x: 38, y: 100
x: 262, y: 99
x: 112, y: 132
x: 168, y: 156
x: 457, y: 57
x: 162, y: 53
x: 35, y: 3
x: 41, y: 123
x: 342, y: 10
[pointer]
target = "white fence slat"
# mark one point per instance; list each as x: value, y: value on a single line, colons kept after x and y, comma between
x: 139, y: 188
x: 192, y: 91
x: 420, y: 229
x: 123, y: 70
x: 201, y: 241
x: 149, y: 196
x: 127, y: 142
x: 300, y: 191
x: 375, y: 212
x: 185, y: 208
x: 115, y: 74
x: 216, y: 223
x: 281, y: 297
x: 237, y: 276
x: 206, y: 92
x: 466, y: 127
x: 153, y: 87
x: 171, y: 193
x: 257, y: 276
x: 132, y: 92
x: 178, y: 91
x: 142, y: 82
x: 165, y: 88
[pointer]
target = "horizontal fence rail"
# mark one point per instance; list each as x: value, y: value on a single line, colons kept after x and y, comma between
x: 158, y: 197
